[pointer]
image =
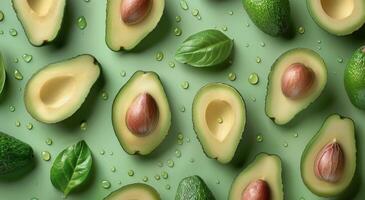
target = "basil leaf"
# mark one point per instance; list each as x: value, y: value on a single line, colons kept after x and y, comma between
x: 205, y: 49
x: 71, y: 167
x: 2, y: 73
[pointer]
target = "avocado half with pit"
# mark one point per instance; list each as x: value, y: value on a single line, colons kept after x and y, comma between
x: 141, y: 113
x: 41, y: 20
x: 136, y: 191
x: 296, y: 79
x: 338, y: 17
x: 328, y: 162
x: 58, y: 90
x: 219, y: 118
x: 128, y: 22
x: 261, y: 179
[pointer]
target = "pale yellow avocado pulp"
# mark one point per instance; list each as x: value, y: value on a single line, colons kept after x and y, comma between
x: 141, y: 82
x: 219, y: 118
x: 136, y: 191
x: 122, y: 36
x: 339, y: 17
x: 41, y: 19
x: 280, y: 108
x: 265, y: 167
x: 57, y: 91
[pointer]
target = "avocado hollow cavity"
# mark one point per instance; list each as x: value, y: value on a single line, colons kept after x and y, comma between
x: 57, y: 91
x: 40, y: 7
x: 338, y: 9
x: 219, y: 118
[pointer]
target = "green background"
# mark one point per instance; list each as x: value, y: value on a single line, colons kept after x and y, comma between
x: 100, y: 135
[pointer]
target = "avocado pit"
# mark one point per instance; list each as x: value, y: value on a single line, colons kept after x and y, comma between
x: 256, y: 190
x: 297, y: 80
x: 134, y: 11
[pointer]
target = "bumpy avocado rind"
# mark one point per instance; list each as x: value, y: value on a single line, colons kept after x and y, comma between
x: 193, y: 187
x: 14, y: 155
x: 136, y: 191
x: 280, y: 108
x: 264, y: 167
x: 119, y: 35
x: 338, y: 17
x: 354, y: 78
x: 271, y: 16
x: 41, y: 20
x: 58, y: 90
x: 339, y: 129
x: 141, y: 82
x: 219, y: 118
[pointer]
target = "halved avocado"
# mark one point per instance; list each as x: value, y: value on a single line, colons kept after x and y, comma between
x: 280, y: 108
x: 120, y: 35
x: 219, y: 118
x: 335, y: 129
x: 136, y: 191
x: 338, y: 17
x: 41, y: 19
x: 266, y: 168
x: 141, y: 83
x: 58, y: 90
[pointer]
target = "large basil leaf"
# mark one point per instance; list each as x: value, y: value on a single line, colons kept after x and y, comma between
x: 71, y: 167
x: 2, y: 73
x: 205, y: 49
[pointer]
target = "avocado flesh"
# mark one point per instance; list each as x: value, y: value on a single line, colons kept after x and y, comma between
x: 58, y: 90
x: 193, y: 187
x: 41, y: 19
x: 121, y: 36
x: 282, y: 109
x: 334, y: 128
x: 212, y: 103
x: 136, y: 191
x: 141, y: 82
x: 265, y: 167
x: 338, y: 17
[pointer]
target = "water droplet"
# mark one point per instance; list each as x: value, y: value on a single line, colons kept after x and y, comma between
x: 102, y: 152
x: 217, y: 181
x: 220, y: 120
x: 29, y: 126
x: 2, y: 16
x: 170, y: 163
x: 301, y: 30
x: 11, y: 108
x: 182, y: 108
x: 104, y: 95
x: 187, y: 140
x: 195, y: 12
x: 27, y: 58
x: 123, y: 73
x: 285, y: 144
x: 296, y: 135
x: 160, y: 164
x: 49, y: 141
x: 167, y: 187
x: 87, y: 1
x: 253, y: 79
x: 258, y: 60
x: 34, y: 198
x: 230, y: 12
x: 111, y: 153
x: 184, y: 5
x: 224, y: 28
x: 177, y: 31
x: 262, y: 44
x: 319, y: 41
x: 259, y: 138
x: 180, y: 136
x: 1, y: 32
x: 171, y: 64
x: 185, y: 85
x: 232, y: 76
x: 145, y: 179
x: 247, y: 25
x: 113, y: 169
x: 17, y: 123
x: 199, y: 17
x: 18, y: 75
x: 180, y: 142
x: 130, y: 172
x: 157, y: 177
x: 319, y: 48
x: 16, y: 60
x: 302, y: 198
x: 105, y: 184
x: 340, y: 60
x: 253, y: 99
x: 81, y: 22
x: 164, y: 175
x: 83, y: 126
x: 159, y: 56
x: 178, y: 18
x: 13, y: 32
x: 192, y: 160
x: 178, y: 153
x: 46, y: 156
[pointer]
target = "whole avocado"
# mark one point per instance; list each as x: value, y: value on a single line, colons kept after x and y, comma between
x: 271, y: 16
x: 193, y: 188
x: 354, y: 78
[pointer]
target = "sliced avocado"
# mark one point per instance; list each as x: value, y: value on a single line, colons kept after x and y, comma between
x: 194, y: 188
x: 219, y: 118
x: 58, y: 90
x: 338, y: 17
x: 141, y: 113
x: 266, y: 168
x: 305, y: 75
x: 2, y: 74
x: 136, y: 191
x: 354, y: 78
x: 14, y: 154
x: 271, y: 16
x: 41, y: 19
x: 336, y: 129
x: 122, y: 35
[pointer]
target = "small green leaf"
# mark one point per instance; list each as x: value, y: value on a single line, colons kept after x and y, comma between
x: 2, y: 73
x: 71, y: 167
x: 205, y: 49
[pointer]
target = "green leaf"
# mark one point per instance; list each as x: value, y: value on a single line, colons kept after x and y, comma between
x: 2, y: 73
x: 205, y: 49
x: 71, y: 167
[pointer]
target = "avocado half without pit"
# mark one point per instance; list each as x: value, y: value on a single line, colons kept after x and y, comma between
x: 129, y: 21
x: 296, y: 79
x: 328, y: 162
x: 219, y: 118
x: 259, y: 180
x: 58, y: 90
x: 141, y: 113
x: 338, y: 17
x: 136, y: 191
x: 41, y: 19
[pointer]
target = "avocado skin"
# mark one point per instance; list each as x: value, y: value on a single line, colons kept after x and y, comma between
x: 354, y: 78
x: 271, y: 16
x: 193, y: 188
x: 14, y: 154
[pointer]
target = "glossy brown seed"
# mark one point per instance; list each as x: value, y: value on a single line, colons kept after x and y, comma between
x: 134, y: 11
x: 256, y: 190
x: 297, y: 80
